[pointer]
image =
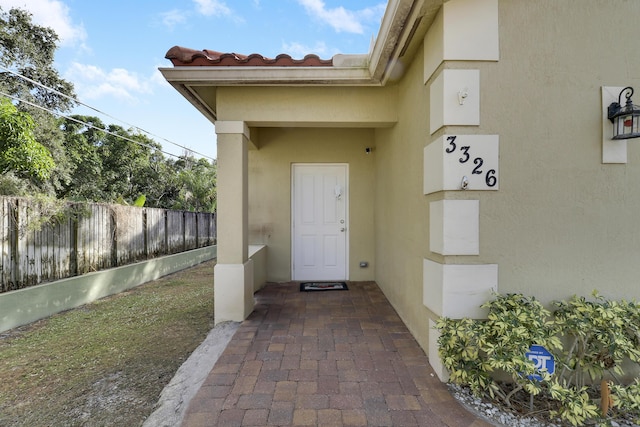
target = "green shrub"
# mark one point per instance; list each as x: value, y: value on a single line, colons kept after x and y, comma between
x: 598, y: 336
x: 626, y: 400
x: 601, y: 333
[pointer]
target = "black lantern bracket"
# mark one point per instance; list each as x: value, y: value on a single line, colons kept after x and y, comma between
x: 625, y: 119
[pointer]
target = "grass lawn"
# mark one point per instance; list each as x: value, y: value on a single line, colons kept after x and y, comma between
x: 105, y: 363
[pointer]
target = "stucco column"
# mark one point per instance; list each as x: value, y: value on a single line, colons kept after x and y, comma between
x: 233, y: 273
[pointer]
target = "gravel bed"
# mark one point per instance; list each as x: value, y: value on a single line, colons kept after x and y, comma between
x: 500, y: 417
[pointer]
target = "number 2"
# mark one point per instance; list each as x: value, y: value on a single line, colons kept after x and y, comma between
x: 478, y: 162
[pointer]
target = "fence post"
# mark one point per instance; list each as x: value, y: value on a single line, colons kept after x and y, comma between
x: 114, y: 238
x: 73, y: 243
x: 197, y: 231
x: 166, y: 232
x: 145, y: 230
x: 208, y: 228
x: 14, y: 237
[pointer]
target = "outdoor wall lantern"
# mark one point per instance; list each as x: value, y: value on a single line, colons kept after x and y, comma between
x: 626, y: 120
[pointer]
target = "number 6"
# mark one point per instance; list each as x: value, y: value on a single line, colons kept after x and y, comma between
x: 490, y: 178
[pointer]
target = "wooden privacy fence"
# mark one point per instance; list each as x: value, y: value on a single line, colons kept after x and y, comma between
x: 90, y: 237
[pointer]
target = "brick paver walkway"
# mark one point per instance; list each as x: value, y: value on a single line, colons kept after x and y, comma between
x: 330, y: 358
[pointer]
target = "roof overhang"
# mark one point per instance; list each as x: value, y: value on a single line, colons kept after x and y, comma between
x: 401, y: 32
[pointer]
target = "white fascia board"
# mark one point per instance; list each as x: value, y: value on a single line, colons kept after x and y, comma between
x: 243, y: 75
x: 386, y: 44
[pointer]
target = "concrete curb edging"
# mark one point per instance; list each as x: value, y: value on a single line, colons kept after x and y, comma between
x: 175, y: 397
x: 37, y: 302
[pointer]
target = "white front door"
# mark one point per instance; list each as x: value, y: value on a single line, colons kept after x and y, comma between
x: 319, y: 221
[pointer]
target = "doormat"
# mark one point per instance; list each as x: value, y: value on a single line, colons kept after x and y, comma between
x: 323, y: 286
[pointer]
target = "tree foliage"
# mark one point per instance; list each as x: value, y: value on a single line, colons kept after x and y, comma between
x: 19, y: 150
x: 28, y: 50
x: 81, y: 145
x: 198, y: 185
x: 113, y: 164
x: 80, y: 157
x: 27, y: 56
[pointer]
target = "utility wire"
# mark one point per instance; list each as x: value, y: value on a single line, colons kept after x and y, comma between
x: 96, y: 110
x: 89, y: 125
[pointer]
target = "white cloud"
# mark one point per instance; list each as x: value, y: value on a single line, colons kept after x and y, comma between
x: 173, y: 17
x: 202, y: 7
x: 212, y: 7
x: 92, y: 82
x: 298, y: 50
x: 157, y: 78
x: 53, y: 14
x: 342, y: 19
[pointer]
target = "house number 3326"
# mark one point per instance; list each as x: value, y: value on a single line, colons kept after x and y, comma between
x: 477, y: 163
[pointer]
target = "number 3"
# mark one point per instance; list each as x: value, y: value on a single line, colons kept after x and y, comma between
x: 465, y: 151
x: 452, y: 143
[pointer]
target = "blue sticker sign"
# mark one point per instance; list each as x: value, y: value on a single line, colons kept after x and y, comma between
x: 542, y: 359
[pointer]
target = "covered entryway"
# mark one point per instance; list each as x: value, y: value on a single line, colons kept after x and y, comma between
x: 319, y: 232
x: 272, y: 114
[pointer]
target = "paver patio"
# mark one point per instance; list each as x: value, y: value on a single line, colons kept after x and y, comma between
x: 325, y: 358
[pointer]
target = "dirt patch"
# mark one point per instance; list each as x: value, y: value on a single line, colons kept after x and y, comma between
x: 105, y: 363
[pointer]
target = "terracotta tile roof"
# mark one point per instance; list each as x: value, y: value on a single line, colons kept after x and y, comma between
x: 182, y: 56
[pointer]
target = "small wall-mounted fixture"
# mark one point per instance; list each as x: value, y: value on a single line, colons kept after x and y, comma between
x: 464, y: 184
x: 462, y: 95
x: 368, y: 150
x: 625, y: 119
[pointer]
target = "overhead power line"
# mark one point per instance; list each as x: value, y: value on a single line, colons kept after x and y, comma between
x: 89, y: 125
x: 94, y: 109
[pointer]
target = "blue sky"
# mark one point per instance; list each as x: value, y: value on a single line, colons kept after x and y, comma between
x: 111, y: 50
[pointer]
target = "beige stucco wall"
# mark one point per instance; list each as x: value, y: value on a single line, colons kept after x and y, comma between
x: 402, y: 222
x: 562, y: 222
x: 270, y: 191
x: 308, y: 106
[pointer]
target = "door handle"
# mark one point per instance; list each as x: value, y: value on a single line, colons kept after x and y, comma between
x: 342, y: 229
